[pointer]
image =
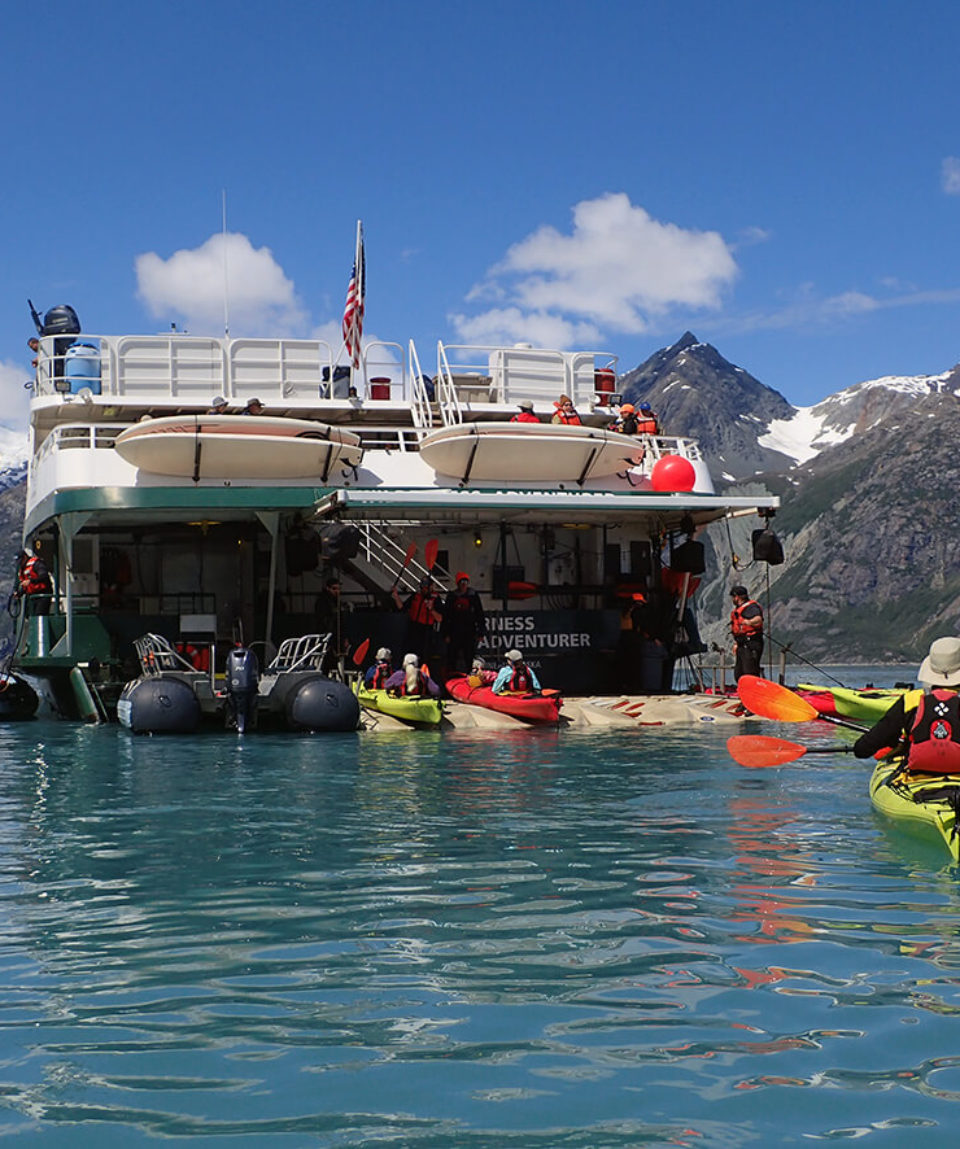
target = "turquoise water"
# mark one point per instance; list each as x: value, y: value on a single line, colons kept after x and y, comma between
x: 537, y: 939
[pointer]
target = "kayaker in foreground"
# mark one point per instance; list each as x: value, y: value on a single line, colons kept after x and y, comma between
x: 928, y: 727
x: 515, y: 677
x: 412, y: 680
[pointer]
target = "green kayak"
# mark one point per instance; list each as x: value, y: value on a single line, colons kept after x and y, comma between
x: 415, y: 711
x: 866, y: 705
x: 926, y: 802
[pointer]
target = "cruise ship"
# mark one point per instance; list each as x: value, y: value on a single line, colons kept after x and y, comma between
x: 171, y: 528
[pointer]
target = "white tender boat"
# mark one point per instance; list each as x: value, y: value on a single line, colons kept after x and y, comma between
x: 529, y: 452
x: 238, y: 446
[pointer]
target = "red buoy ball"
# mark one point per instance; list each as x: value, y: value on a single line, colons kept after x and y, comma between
x: 673, y: 473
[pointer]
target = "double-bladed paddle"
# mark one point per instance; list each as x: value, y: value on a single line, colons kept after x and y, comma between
x: 758, y: 750
x: 771, y: 700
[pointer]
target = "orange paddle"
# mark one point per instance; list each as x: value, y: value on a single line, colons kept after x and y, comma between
x: 757, y: 750
x: 771, y: 700
x: 407, y: 560
x: 430, y: 553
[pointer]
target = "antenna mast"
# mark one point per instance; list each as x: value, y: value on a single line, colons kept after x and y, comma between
x: 226, y: 301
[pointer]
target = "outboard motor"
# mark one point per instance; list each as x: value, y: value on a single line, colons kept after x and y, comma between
x: 243, y: 678
x: 61, y: 320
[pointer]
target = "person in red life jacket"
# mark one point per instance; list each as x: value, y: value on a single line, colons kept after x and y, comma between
x: 626, y: 422
x: 463, y: 625
x: 526, y: 413
x: 515, y: 677
x: 33, y: 581
x: 746, y: 626
x: 411, y: 680
x: 423, y: 609
x: 377, y: 675
x: 647, y: 423
x: 566, y: 412
x: 926, y: 726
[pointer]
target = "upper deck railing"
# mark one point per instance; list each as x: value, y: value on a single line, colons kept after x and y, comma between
x: 504, y: 375
x: 189, y: 369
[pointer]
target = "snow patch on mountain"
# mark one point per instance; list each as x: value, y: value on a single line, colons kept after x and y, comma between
x: 804, y: 435
x: 14, y: 453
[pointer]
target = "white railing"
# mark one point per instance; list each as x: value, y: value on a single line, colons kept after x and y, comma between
x: 447, y: 398
x: 193, y: 369
x: 422, y: 413
x: 383, y: 547
x: 506, y: 375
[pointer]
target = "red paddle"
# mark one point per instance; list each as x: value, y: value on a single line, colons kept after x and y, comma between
x: 430, y: 553
x: 361, y: 652
x: 758, y: 750
x: 407, y: 560
x: 771, y: 700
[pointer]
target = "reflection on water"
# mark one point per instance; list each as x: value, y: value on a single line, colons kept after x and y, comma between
x: 530, y: 939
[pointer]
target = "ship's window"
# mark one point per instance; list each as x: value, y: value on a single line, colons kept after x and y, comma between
x: 83, y: 556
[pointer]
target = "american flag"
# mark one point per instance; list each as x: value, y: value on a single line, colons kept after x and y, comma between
x: 353, y: 310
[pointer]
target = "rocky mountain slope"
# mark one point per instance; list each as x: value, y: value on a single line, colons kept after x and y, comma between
x: 869, y: 521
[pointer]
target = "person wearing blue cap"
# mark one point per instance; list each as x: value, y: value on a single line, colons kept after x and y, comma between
x: 647, y: 422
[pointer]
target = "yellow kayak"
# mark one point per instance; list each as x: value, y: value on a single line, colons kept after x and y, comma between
x: 919, y: 801
x: 416, y: 711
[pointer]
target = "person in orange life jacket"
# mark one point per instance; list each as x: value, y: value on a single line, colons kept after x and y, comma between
x: 377, y: 675
x: 626, y: 422
x: 463, y: 625
x: 33, y: 581
x: 647, y: 423
x: 412, y: 680
x: 526, y: 413
x: 515, y: 677
x: 746, y: 626
x: 423, y: 611
x: 566, y: 412
x: 929, y: 730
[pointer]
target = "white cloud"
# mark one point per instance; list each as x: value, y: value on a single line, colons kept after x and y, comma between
x: 619, y: 270
x: 189, y: 286
x: 950, y: 175
x: 511, y: 325
x: 13, y: 376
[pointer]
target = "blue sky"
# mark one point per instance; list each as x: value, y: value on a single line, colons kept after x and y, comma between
x: 781, y: 179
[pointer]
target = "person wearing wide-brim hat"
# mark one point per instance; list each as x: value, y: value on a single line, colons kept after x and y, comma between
x: 924, y: 723
x: 526, y: 414
x: 218, y: 406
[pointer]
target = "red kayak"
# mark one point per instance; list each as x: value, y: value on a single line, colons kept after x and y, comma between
x: 543, y: 707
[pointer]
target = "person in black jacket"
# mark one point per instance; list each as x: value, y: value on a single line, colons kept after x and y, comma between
x: 933, y: 720
x: 463, y: 625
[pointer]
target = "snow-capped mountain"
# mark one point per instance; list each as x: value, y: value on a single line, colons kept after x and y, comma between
x: 14, y: 452
x: 870, y: 520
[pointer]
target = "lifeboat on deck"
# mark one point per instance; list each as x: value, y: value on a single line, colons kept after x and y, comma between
x: 238, y: 447
x: 531, y: 452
